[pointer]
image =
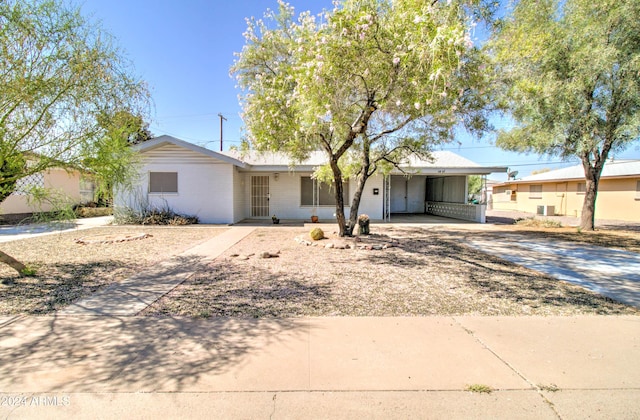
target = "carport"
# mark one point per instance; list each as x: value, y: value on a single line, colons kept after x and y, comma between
x: 437, y: 188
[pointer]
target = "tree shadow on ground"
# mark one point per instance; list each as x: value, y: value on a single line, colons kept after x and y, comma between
x: 234, y: 289
x: 618, y: 240
x: 132, y: 354
x: 57, y: 285
x: 491, y: 277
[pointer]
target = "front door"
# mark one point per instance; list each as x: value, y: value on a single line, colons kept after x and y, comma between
x: 398, y: 194
x: 259, y: 196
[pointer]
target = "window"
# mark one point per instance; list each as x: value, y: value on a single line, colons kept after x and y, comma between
x: 638, y: 190
x: 535, y: 191
x: 323, y: 194
x: 163, y: 182
x: 582, y: 188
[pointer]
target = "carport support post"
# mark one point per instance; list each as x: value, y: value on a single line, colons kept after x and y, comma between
x: 466, y: 189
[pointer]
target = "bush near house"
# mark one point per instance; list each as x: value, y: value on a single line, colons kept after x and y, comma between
x: 153, y: 216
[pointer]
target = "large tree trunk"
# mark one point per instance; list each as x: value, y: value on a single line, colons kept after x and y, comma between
x: 592, y: 174
x: 357, y: 196
x: 362, y: 180
x: 12, y: 262
x: 587, y: 218
x: 337, y: 180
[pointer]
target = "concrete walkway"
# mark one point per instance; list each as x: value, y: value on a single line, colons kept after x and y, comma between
x: 351, y: 368
x: 609, y: 272
x: 132, y: 295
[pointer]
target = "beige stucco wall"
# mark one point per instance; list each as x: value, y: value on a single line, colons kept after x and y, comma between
x: 617, y: 198
x: 64, y: 183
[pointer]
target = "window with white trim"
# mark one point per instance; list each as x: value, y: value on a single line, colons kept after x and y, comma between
x: 535, y: 191
x: 582, y: 188
x: 316, y: 193
x: 163, y: 182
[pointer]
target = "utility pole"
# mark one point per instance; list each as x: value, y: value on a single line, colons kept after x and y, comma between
x: 221, y: 119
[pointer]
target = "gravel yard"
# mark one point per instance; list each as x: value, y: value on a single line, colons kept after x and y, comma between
x: 67, y: 270
x: 425, y: 272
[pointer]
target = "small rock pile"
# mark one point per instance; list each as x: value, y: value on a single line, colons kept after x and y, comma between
x: 263, y: 254
x: 355, y: 243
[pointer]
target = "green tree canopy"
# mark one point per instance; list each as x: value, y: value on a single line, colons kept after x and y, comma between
x: 111, y: 160
x: 58, y: 74
x: 368, y: 82
x: 570, y: 76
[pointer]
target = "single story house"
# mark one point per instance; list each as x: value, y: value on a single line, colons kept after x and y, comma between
x: 66, y: 183
x: 561, y: 192
x: 227, y: 187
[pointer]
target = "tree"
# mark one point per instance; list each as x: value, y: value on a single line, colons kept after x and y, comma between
x: 369, y: 83
x: 474, y: 184
x: 570, y: 76
x: 112, y: 161
x: 58, y: 74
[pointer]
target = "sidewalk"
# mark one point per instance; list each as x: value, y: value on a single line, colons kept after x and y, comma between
x: 135, y: 293
x: 148, y: 367
x: 32, y: 230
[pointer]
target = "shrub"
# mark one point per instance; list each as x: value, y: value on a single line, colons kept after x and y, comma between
x: 90, y: 211
x: 152, y: 216
x: 544, y: 223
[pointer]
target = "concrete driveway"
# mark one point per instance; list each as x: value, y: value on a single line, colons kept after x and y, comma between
x: 609, y: 272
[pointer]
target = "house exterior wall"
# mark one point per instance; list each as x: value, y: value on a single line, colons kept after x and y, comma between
x: 286, y: 197
x: 416, y: 188
x: 239, y: 198
x: 618, y: 199
x: 447, y: 189
x: 205, y: 185
x: 63, y: 182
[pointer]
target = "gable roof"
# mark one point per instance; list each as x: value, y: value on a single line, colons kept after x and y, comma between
x: 611, y: 169
x: 443, y: 162
x: 165, y: 140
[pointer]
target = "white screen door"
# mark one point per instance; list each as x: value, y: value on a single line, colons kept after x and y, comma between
x: 259, y: 196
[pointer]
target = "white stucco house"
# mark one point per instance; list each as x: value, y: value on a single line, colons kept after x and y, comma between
x: 226, y: 187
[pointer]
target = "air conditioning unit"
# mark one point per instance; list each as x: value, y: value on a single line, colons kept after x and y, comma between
x: 508, y: 192
x: 546, y: 210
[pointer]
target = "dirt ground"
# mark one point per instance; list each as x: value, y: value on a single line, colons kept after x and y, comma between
x: 67, y: 270
x: 421, y: 272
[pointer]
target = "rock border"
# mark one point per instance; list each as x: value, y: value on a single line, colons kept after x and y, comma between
x: 332, y: 245
x: 111, y: 238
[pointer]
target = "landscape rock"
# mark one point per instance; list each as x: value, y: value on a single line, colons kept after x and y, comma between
x: 316, y: 234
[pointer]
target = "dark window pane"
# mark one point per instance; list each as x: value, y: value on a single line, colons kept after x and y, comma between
x: 163, y: 182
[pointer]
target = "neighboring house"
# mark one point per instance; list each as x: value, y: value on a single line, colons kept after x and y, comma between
x: 561, y: 192
x: 66, y: 184
x: 227, y: 187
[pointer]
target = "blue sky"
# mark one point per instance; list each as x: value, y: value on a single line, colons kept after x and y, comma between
x: 184, y: 49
